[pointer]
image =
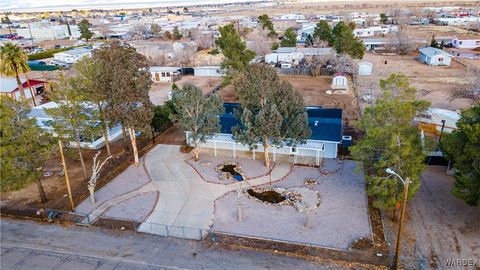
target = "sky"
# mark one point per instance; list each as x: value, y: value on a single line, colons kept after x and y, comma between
x: 55, y: 5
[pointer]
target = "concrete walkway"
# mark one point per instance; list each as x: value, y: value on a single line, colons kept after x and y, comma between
x: 185, y: 207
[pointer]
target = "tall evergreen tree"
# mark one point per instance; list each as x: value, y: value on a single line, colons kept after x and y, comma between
x: 176, y: 33
x: 267, y: 23
x: 433, y: 42
x: 391, y: 141
x: 24, y: 147
x: 346, y: 42
x: 289, y: 38
x: 272, y: 113
x: 462, y: 147
x: 124, y: 76
x: 73, y: 119
x: 323, y: 31
x: 97, y: 92
x: 196, y: 113
x: 237, y: 56
x: 84, y: 28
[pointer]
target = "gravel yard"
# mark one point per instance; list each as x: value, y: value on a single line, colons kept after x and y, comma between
x: 341, y: 218
x: 207, y: 164
x: 131, y: 179
x: 136, y: 208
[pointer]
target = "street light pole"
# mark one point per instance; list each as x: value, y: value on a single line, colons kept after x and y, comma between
x: 405, y: 183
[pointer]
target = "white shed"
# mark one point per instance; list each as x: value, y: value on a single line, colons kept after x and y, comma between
x: 340, y: 82
x: 208, y: 71
x: 365, y: 68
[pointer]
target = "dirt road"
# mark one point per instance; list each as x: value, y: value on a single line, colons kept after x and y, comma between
x: 444, y: 226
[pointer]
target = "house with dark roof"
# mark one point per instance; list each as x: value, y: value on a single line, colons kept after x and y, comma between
x: 327, y: 135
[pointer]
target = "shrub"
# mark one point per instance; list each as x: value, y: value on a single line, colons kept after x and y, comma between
x: 46, y: 54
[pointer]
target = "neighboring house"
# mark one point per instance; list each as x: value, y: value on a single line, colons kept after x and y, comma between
x: 208, y: 71
x: 165, y: 74
x: 294, y: 55
x: 307, y: 52
x: 326, y: 126
x: 434, y: 57
x: 44, y: 121
x: 72, y: 56
x: 8, y: 87
x: 375, y: 31
x: 432, y: 121
x: 463, y: 43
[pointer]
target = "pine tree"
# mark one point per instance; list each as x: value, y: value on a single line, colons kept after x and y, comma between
x: 237, y: 56
x: 84, y: 28
x: 462, y: 147
x: 289, y: 38
x: 391, y: 141
x: 96, y: 93
x: 124, y: 75
x: 267, y: 23
x: 176, y: 33
x: 346, y: 42
x: 323, y: 31
x: 73, y: 119
x: 197, y: 114
x: 272, y: 113
x: 24, y: 147
x: 434, y: 42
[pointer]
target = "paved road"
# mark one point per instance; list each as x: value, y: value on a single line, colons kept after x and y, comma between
x: 29, y: 245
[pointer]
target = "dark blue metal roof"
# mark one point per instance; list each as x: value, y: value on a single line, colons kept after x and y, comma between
x: 326, y: 124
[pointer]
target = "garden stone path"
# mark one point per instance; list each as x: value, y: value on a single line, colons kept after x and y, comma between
x: 185, y: 207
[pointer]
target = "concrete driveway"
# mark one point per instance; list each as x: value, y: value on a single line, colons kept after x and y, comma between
x: 185, y: 207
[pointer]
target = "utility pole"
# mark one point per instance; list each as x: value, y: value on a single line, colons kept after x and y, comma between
x: 65, y: 172
x: 400, y: 225
x: 405, y: 183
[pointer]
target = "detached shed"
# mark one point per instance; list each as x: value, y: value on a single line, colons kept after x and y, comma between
x: 434, y: 57
x: 208, y: 71
x: 365, y: 68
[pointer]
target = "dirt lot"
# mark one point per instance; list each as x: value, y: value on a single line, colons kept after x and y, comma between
x: 439, y: 225
x: 435, y: 84
x: 55, y: 187
x: 313, y: 91
x: 324, y: 7
x: 159, y: 91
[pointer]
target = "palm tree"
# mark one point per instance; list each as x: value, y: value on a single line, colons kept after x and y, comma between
x: 13, y: 62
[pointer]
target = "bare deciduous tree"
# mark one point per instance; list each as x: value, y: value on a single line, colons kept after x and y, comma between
x: 344, y: 63
x: 317, y: 62
x: 92, y: 183
x: 185, y: 55
x: 203, y: 40
x: 104, y: 30
x: 260, y: 43
x: 401, y: 42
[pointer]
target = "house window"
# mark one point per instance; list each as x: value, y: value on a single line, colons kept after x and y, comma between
x: 163, y: 74
x: 477, y: 43
x: 440, y: 59
x: 168, y: 74
x: 460, y: 42
x: 293, y: 150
